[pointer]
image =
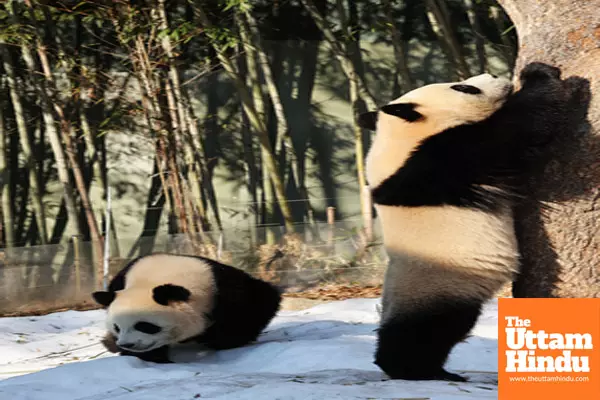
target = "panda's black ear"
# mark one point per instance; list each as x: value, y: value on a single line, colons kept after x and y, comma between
x: 164, y: 294
x: 406, y: 111
x: 368, y: 120
x: 104, y: 298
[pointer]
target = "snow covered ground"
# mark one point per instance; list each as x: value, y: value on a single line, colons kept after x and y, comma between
x: 325, y: 352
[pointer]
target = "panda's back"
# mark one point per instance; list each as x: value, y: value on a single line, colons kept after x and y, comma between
x: 158, y: 269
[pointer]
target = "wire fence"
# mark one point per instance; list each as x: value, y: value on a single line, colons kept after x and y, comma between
x: 38, y: 279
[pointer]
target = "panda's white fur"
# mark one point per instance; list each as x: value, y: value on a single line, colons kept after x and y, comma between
x: 164, y: 299
x: 444, y: 168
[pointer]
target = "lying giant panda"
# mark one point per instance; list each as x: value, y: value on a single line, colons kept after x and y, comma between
x: 160, y: 300
x: 446, y: 167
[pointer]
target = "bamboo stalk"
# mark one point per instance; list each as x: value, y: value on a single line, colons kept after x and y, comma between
x: 77, y: 261
x: 5, y: 181
x: 437, y: 14
x: 340, y: 53
x: 178, y: 102
x: 29, y: 156
x: 66, y: 130
x: 257, y: 124
x: 399, y: 51
x: 258, y: 99
x: 476, y: 29
x: 53, y: 136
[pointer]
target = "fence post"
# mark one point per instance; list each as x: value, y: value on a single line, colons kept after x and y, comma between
x: 76, y: 240
x: 106, y: 240
x: 220, y: 246
x: 331, y: 226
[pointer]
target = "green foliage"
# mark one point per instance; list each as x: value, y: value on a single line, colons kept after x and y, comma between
x: 224, y: 37
x: 239, y: 5
x: 183, y: 33
x: 11, y: 31
x: 16, y: 34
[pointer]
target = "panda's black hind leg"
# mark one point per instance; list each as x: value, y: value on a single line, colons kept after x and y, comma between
x: 415, y: 345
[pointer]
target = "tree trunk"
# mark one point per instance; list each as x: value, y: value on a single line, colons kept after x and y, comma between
x: 561, y: 247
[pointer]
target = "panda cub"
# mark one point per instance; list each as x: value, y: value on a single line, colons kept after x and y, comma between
x: 160, y: 300
x: 446, y: 168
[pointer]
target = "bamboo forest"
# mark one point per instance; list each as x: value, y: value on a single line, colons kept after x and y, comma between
x: 135, y: 121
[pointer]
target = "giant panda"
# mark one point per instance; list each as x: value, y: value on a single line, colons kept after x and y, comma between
x: 446, y: 168
x: 161, y: 299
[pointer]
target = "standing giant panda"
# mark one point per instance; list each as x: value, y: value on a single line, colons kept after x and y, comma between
x: 159, y: 300
x: 445, y: 168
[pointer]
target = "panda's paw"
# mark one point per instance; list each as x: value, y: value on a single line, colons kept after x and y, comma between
x: 110, y: 343
x: 578, y: 90
x: 539, y: 72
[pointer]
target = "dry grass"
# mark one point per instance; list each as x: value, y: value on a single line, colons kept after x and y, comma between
x: 328, y: 292
x: 39, y: 308
x: 338, y: 292
x: 315, y: 272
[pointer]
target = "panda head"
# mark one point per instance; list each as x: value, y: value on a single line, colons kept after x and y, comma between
x: 143, y: 319
x: 426, y: 111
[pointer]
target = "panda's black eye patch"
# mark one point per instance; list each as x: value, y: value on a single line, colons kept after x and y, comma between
x: 466, y: 89
x: 147, y: 327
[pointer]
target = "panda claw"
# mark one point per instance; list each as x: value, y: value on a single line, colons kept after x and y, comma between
x: 449, y: 376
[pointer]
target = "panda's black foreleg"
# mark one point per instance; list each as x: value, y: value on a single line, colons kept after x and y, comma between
x: 160, y: 355
x: 415, y: 345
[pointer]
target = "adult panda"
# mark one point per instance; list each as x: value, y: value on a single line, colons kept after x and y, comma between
x: 446, y: 168
x: 160, y: 300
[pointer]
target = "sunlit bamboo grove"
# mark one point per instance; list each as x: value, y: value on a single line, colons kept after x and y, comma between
x: 67, y: 69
